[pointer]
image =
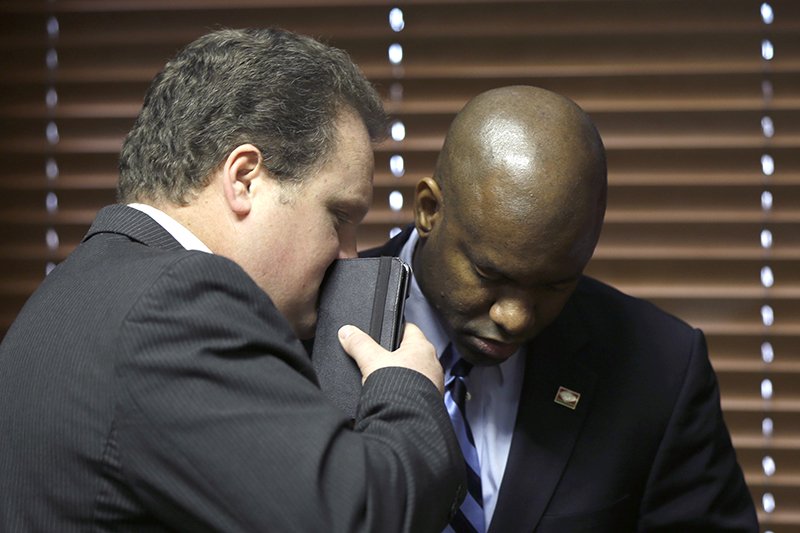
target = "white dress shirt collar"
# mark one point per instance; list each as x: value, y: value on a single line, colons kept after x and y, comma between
x: 186, y: 238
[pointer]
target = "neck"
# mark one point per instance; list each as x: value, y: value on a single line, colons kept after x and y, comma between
x: 201, y: 218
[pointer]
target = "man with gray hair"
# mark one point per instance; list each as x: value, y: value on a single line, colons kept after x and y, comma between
x: 156, y: 380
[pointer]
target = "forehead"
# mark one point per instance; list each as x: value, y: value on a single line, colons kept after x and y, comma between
x: 347, y: 172
x: 527, y: 244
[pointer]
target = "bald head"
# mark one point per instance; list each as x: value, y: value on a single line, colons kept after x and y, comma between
x: 510, y: 218
x: 532, y: 152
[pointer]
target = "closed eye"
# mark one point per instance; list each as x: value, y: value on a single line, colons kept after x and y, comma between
x: 561, y: 286
x: 340, y: 217
x: 486, y: 274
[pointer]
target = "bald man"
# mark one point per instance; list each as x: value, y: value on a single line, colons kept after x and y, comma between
x: 587, y: 410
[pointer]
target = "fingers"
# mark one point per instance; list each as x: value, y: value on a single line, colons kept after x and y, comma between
x: 420, y: 355
x: 415, y: 352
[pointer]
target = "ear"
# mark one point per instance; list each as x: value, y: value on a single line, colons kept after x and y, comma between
x: 243, y: 165
x: 427, y: 206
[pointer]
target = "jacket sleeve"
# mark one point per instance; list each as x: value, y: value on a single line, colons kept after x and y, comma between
x: 696, y: 484
x: 220, y: 425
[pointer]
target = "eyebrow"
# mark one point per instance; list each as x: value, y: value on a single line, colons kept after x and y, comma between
x: 485, y: 266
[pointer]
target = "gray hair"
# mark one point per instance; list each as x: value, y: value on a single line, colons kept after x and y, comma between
x: 277, y: 90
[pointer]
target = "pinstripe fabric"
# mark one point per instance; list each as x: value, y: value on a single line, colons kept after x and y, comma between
x: 133, y: 225
x: 148, y: 388
x: 470, y: 517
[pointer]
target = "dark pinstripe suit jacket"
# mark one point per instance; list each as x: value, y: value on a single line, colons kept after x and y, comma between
x: 147, y: 388
x: 645, y: 449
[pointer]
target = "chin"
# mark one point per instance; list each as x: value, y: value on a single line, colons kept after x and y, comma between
x: 305, y: 327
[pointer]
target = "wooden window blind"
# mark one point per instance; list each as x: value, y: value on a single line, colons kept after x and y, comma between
x: 698, y: 102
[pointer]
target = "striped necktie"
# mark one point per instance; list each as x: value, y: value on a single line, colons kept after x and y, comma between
x: 469, y: 518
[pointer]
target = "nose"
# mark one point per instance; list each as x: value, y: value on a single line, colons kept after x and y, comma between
x: 513, y: 315
x: 347, y: 245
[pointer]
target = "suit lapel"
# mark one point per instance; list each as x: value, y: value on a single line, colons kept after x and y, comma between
x: 545, y: 431
x: 391, y: 248
x: 133, y: 224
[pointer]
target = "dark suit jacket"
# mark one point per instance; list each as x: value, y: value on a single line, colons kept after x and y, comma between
x: 148, y: 388
x: 646, y: 448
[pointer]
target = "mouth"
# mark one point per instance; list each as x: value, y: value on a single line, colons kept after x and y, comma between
x: 493, y: 349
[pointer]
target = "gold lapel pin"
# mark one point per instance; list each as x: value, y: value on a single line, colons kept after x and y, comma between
x: 568, y: 398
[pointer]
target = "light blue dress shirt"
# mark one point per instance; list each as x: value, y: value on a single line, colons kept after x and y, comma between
x: 494, y: 392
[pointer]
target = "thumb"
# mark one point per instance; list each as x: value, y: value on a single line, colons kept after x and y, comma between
x: 361, y: 347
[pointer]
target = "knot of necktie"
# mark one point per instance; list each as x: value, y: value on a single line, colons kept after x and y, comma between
x: 461, y: 368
